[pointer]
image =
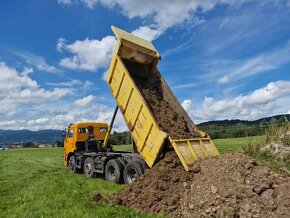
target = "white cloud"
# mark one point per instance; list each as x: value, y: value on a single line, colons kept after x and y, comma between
x: 260, y: 103
x: 65, y: 2
x: 60, y: 119
x: 224, y: 79
x: 36, y: 61
x: 46, y: 109
x: 84, y: 102
x: 187, y: 105
x: 60, y: 44
x: 147, y: 33
x: 163, y: 13
x: 70, y: 83
x: 89, y: 54
x: 18, y: 90
x: 26, y: 71
x: 262, y: 63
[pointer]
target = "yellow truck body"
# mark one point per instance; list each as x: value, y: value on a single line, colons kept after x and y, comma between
x: 147, y: 134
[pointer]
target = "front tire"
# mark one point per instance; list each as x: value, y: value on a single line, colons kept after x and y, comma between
x: 72, y: 164
x: 114, y: 171
x: 89, y: 167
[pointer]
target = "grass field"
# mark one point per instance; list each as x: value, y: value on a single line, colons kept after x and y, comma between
x: 223, y: 145
x: 35, y: 183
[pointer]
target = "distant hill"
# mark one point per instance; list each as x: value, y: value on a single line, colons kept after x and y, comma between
x: 240, y: 128
x: 41, y: 136
x: 233, y: 122
x: 216, y: 129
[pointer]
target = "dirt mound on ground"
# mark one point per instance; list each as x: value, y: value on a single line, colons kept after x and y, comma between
x: 165, y: 115
x: 229, y: 185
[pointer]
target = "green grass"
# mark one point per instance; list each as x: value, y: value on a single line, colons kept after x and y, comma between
x: 223, y: 145
x: 235, y: 144
x: 123, y: 147
x: 35, y: 183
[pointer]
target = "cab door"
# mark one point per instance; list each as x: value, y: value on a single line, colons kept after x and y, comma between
x: 69, y: 144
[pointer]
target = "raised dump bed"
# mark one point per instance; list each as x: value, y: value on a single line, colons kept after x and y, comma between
x: 151, y: 111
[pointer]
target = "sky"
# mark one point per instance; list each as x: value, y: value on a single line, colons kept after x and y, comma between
x: 223, y: 59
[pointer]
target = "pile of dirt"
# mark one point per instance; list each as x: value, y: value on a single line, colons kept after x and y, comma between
x: 149, y: 84
x: 230, y: 185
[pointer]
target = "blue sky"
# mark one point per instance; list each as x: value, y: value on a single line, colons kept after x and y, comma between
x: 223, y: 59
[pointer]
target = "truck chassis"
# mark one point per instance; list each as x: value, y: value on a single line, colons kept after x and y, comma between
x: 115, y: 166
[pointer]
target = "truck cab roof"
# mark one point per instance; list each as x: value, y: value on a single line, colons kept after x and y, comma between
x: 86, y: 124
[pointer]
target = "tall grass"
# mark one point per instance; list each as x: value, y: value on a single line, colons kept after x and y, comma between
x: 266, y: 157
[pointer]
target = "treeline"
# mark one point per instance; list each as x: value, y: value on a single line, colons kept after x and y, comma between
x: 238, y: 128
x: 121, y: 138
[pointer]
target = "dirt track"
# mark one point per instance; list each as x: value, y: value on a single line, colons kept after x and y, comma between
x: 229, y: 185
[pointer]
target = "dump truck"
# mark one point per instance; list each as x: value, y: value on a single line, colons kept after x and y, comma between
x: 155, y: 118
x: 87, y: 149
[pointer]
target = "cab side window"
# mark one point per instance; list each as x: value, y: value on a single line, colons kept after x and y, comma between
x: 83, y: 130
x: 103, y: 129
x: 70, y: 133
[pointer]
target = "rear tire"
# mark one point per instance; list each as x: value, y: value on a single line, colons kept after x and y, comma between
x: 89, y: 167
x: 72, y: 164
x: 132, y: 171
x: 114, y: 171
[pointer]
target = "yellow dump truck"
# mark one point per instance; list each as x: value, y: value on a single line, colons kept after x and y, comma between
x: 151, y: 111
x: 155, y: 118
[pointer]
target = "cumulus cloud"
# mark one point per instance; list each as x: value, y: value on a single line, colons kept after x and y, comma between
x: 89, y: 54
x: 18, y: 90
x: 85, y: 101
x: 163, y: 13
x: 60, y: 119
x: 259, y: 103
x: 147, y: 33
x: 38, y: 62
x: 70, y: 83
x: 26, y: 71
x: 46, y: 109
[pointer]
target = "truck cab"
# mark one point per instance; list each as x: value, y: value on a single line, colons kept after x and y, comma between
x: 84, y: 137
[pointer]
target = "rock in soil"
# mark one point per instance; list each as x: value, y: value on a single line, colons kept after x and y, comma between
x: 225, y: 186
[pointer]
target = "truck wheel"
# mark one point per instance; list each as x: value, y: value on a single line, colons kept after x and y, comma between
x: 72, y: 164
x: 142, y: 166
x: 113, y: 171
x: 132, y: 171
x: 89, y: 167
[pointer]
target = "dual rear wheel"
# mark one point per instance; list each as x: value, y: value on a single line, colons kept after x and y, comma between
x: 118, y: 171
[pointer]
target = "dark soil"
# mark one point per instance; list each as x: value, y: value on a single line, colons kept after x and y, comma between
x: 149, y: 84
x: 98, y: 198
x: 230, y: 185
